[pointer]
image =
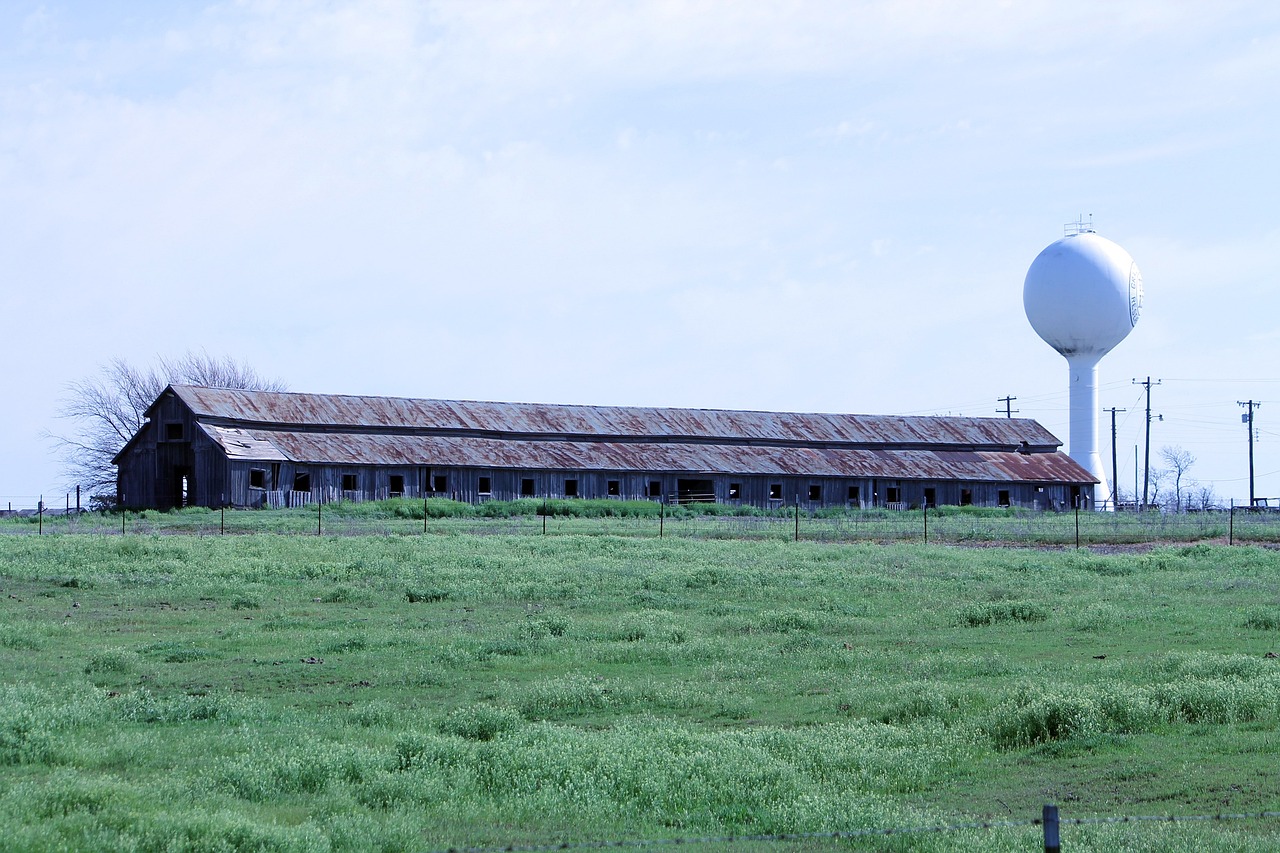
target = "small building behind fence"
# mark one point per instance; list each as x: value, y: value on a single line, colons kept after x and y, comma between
x: 222, y: 447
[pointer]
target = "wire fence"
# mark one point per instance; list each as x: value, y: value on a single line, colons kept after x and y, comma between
x: 1050, y: 821
x: 945, y: 526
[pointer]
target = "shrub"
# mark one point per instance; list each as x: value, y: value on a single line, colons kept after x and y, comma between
x: 1031, y: 718
x: 1263, y: 620
x: 428, y: 595
x: 993, y: 612
x: 112, y: 661
x: 481, y: 722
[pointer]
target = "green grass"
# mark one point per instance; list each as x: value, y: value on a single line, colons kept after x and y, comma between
x: 418, y: 692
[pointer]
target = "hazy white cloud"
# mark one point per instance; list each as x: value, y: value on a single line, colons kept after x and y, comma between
x: 779, y: 204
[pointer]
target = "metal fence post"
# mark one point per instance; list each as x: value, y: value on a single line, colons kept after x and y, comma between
x: 40, y: 513
x: 797, y: 518
x: 319, y: 512
x: 925, y: 506
x: 1078, y: 501
x: 662, y: 515
x: 224, y: 519
x: 1231, y: 524
x: 1051, y: 842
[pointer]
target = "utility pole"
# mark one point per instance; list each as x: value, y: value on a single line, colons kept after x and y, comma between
x: 1115, y: 469
x: 1146, y: 462
x: 1248, y: 419
x: 1009, y: 412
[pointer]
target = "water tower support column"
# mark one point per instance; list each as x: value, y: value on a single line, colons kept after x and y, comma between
x: 1084, y: 417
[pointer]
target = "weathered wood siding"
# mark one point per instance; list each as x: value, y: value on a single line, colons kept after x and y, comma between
x: 173, y: 446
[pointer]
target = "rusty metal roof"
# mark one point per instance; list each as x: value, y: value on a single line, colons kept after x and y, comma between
x: 336, y: 448
x: 286, y: 410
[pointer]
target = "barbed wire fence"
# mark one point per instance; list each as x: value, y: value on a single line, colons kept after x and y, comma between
x: 936, y: 526
x: 1050, y: 821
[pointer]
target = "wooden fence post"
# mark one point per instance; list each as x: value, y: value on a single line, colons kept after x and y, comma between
x: 1051, y: 842
x: 1079, y: 500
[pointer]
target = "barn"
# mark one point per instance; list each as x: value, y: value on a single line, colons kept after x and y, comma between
x: 221, y: 447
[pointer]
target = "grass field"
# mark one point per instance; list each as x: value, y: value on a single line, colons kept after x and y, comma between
x: 419, y: 692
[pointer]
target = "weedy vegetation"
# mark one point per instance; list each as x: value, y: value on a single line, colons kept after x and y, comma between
x: 334, y: 693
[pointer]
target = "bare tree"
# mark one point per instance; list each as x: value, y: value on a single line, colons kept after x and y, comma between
x: 1179, y: 462
x: 1159, y: 479
x: 1201, y: 497
x: 108, y: 408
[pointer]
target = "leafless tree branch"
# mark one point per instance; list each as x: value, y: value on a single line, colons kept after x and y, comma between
x: 108, y: 408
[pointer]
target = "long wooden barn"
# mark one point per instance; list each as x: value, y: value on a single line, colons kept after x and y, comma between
x: 221, y: 447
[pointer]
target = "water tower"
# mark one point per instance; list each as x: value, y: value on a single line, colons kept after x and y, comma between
x: 1083, y: 295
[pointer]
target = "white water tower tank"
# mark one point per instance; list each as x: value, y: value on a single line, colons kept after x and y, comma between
x: 1083, y: 295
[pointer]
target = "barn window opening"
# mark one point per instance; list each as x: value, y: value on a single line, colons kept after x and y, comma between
x: 526, y: 488
x: 257, y: 478
x: 570, y: 488
x: 892, y: 494
x: 655, y: 489
x: 486, y: 486
x: 815, y: 493
x: 855, y: 495
x: 930, y: 498
x: 966, y: 497
x: 775, y: 491
x: 348, y: 482
x: 615, y: 488
x: 301, y: 481
x: 397, y: 485
x: 173, y: 432
x: 735, y: 491
x: 1002, y: 498
x: 440, y: 483
x: 695, y: 492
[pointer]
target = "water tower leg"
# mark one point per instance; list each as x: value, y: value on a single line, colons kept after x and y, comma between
x: 1084, y: 418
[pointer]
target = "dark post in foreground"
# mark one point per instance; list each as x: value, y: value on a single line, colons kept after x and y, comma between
x: 1079, y: 500
x: 1051, y: 842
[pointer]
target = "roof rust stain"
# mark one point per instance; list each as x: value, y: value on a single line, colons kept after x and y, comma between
x: 333, y: 411
x: 472, y: 452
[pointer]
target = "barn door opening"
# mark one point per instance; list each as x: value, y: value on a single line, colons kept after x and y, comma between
x: 184, y: 487
x: 695, y: 491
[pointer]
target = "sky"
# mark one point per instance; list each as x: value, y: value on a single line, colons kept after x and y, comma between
x: 790, y: 206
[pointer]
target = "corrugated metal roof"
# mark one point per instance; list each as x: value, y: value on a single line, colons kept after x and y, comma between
x: 475, y: 452
x: 534, y: 419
